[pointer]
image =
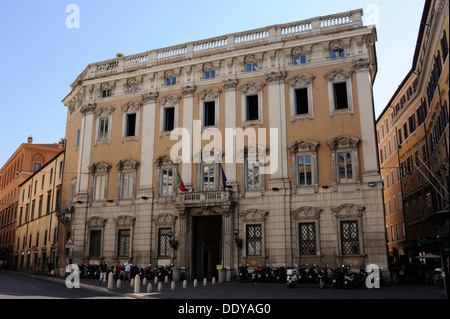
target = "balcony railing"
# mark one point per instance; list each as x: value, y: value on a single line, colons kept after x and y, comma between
x: 229, y: 42
x: 204, y: 198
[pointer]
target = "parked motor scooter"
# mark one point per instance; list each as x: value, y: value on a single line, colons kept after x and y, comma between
x: 311, y: 275
x: 243, y: 274
x: 302, y: 275
x: 354, y: 279
x: 291, y: 277
x: 323, y: 278
x: 338, y: 276
x: 257, y: 274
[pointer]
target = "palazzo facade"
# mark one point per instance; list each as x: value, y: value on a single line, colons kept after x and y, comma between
x: 274, y: 160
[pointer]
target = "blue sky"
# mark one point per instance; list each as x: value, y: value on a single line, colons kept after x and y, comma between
x: 41, y: 57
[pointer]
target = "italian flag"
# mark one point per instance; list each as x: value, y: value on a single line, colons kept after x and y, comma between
x: 180, y: 183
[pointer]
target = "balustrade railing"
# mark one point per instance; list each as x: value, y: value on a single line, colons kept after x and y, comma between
x: 229, y: 42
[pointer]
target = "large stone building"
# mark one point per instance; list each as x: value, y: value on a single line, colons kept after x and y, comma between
x: 418, y: 120
x: 303, y: 186
x: 39, y: 245
x: 28, y: 158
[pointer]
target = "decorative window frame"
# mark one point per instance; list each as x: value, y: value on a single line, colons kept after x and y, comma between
x: 249, y: 88
x: 165, y: 162
x: 99, y: 169
x: 211, y: 94
x: 349, y: 212
x: 340, y: 75
x: 130, y: 108
x: 306, y: 214
x: 105, y: 111
x: 126, y: 166
x: 342, y: 144
x: 258, y: 153
x: 301, y: 81
x: 213, y: 158
x: 254, y: 217
x: 305, y: 50
x: 123, y: 223
x: 167, y: 101
x: 164, y: 220
x: 96, y: 223
x: 305, y: 148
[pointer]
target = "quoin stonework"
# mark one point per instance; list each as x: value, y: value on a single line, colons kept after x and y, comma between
x: 303, y: 88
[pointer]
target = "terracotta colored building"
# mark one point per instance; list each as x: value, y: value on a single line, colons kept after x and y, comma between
x: 28, y: 158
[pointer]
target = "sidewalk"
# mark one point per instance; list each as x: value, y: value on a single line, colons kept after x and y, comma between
x: 413, y: 288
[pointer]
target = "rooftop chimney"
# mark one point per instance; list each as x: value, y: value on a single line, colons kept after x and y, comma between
x: 30, y: 139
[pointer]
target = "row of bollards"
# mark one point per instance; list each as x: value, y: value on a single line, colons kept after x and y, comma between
x: 136, y: 283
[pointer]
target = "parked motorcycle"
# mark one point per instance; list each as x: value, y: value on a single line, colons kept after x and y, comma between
x: 243, y: 274
x: 278, y: 274
x: 338, y: 276
x: 291, y: 274
x: 311, y: 275
x: 257, y: 274
x: 354, y: 279
x: 301, y: 274
x: 323, y: 278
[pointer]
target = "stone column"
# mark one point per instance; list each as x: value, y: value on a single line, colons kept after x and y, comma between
x: 367, y: 120
x: 188, y: 117
x: 84, y: 152
x: 230, y: 122
x: 148, y: 143
x: 277, y: 119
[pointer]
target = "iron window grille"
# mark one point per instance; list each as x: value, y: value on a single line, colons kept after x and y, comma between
x: 349, y: 238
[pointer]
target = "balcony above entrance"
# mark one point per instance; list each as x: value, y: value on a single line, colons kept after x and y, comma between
x: 204, y: 199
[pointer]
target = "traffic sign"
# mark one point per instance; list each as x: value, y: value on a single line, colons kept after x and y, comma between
x: 69, y: 243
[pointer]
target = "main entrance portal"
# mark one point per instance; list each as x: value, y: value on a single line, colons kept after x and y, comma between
x: 207, y: 252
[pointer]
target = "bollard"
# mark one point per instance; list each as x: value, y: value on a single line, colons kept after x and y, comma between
x: 149, y: 287
x: 110, y: 280
x: 137, y: 284
x: 204, y: 281
x: 184, y: 284
x: 155, y: 281
x: 195, y: 282
x: 213, y: 281
x: 166, y: 279
x: 144, y: 281
x: 172, y: 285
x: 160, y: 287
x: 132, y: 282
x: 119, y: 283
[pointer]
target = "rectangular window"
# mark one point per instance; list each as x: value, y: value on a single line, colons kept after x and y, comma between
x: 99, y: 187
x: 166, y: 182
x: 307, y: 233
x: 337, y: 54
x: 405, y: 130
x: 345, y: 168
x: 254, y: 240
x: 169, y: 119
x: 412, y: 123
x: 95, y: 242
x: 103, y: 124
x: 340, y: 96
x: 130, y: 128
x: 128, y: 181
x: 106, y: 93
x: 349, y: 238
x: 298, y: 59
x: 250, y: 67
x: 304, y: 171
x: 209, y: 113
x: 123, y: 244
x: 301, y: 101
x: 77, y: 138
x: 208, y: 178
x: 252, y: 107
x: 171, y: 80
x: 209, y: 74
x: 164, y: 249
x: 253, y: 177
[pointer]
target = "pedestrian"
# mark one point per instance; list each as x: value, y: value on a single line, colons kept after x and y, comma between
x: 103, y: 270
x: 127, y: 270
x: 117, y: 270
x: 401, y: 273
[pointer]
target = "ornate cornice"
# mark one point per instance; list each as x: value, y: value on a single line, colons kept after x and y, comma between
x: 131, y: 106
x: 165, y: 219
x: 301, y: 79
x: 188, y: 91
x: 96, y: 222
x: 306, y: 213
x: 339, y: 74
x: 127, y: 164
x: 99, y: 167
x: 209, y: 93
x: 253, y: 215
x: 303, y: 146
x: 251, y: 87
x: 150, y: 97
x: 343, y: 141
x: 348, y: 210
x: 276, y: 77
x: 230, y: 84
x: 124, y: 221
x: 104, y: 110
x: 169, y: 99
x: 90, y: 108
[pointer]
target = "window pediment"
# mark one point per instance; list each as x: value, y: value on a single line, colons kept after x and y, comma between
x: 124, y: 221
x: 300, y: 80
x: 339, y: 74
x: 169, y: 99
x: 251, y: 87
x: 348, y: 210
x: 253, y: 215
x: 303, y: 146
x: 306, y: 212
x: 131, y: 106
x: 104, y: 110
x: 343, y: 142
x: 96, y: 222
x: 127, y: 164
x: 211, y: 93
x: 99, y: 167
